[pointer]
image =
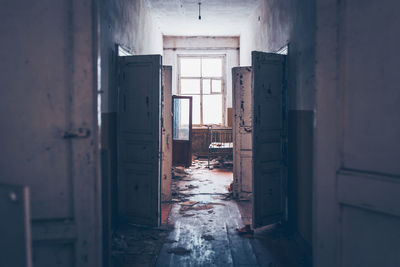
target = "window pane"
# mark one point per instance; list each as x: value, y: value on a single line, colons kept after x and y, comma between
x: 212, y: 109
x: 181, y: 119
x: 212, y: 67
x: 190, y: 67
x: 195, y: 109
x: 206, y: 86
x: 216, y: 86
x: 190, y: 86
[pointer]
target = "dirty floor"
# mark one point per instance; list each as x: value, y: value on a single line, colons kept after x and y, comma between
x: 204, y: 221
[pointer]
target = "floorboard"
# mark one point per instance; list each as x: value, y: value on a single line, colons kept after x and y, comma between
x: 204, y: 220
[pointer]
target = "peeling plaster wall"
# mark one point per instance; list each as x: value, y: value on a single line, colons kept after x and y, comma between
x: 130, y: 24
x: 275, y: 24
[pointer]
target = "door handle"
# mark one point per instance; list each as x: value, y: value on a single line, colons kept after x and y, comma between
x: 77, y: 133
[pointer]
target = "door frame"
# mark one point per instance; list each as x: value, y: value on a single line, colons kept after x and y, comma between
x: 190, y: 128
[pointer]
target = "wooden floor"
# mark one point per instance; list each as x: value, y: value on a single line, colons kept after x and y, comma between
x: 204, y: 228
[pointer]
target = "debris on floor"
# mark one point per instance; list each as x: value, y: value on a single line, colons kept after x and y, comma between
x: 224, y: 196
x: 207, y: 237
x: 179, y: 173
x: 221, y: 162
x: 180, y: 169
x: 230, y: 187
x: 137, y: 245
x: 207, y: 220
x: 199, y: 164
x: 246, y: 230
x: 188, y: 215
x: 169, y: 241
x: 189, y: 203
x: 183, y: 209
x: 189, y: 187
x: 179, y: 251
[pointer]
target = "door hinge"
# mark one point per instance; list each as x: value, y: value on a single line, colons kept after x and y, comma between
x: 77, y: 133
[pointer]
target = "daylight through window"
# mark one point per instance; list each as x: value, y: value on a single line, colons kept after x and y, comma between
x: 202, y: 78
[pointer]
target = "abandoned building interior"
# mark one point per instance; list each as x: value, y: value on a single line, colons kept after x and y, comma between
x: 199, y: 133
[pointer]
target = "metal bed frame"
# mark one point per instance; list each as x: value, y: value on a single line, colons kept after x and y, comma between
x: 220, y: 142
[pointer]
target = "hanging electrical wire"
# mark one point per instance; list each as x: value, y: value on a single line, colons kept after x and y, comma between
x: 199, y: 10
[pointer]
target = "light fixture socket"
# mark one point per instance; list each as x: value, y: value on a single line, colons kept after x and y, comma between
x: 199, y: 11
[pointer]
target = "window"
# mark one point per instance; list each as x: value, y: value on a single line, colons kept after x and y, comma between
x: 201, y: 77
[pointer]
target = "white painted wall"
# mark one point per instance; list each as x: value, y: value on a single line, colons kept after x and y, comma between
x: 228, y: 46
x: 275, y: 24
x: 128, y: 23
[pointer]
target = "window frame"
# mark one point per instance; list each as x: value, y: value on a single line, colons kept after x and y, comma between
x: 201, y: 78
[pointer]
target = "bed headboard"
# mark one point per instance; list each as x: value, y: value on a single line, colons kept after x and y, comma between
x: 219, y: 135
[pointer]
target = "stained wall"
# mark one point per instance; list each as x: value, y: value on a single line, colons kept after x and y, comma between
x: 274, y: 25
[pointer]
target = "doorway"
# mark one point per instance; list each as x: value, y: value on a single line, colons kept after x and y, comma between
x: 200, y: 213
x: 182, y: 130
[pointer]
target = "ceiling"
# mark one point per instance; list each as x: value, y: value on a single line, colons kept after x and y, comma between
x: 218, y: 17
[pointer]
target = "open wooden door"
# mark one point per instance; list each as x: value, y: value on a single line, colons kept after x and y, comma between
x: 269, y: 138
x: 242, y: 131
x: 139, y: 139
x: 182, y: 130
x: 166, y: 134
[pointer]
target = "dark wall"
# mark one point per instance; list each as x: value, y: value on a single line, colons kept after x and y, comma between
x: 277, y: 23
x: 300, y: 129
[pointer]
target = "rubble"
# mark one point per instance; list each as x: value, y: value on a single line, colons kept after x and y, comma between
x: 246, y: 230
x: 178, y: 173
x: 137, y: 245
x: 179, y: 250
x: 188, y: 215
x: 189, y: 203
x: 207, y: 237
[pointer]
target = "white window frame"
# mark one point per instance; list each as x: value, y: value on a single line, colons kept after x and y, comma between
x: 222, y: 78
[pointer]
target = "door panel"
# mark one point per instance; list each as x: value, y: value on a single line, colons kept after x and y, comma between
x: 357, y: 128
x: 242, y: 129
x: 166, y: 134
x: 182, y: 130
x: 139, y: 144
x: 269, y: 138
x: 50, y: 142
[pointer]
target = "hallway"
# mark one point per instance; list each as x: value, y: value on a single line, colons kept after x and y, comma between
x: 87, y: 136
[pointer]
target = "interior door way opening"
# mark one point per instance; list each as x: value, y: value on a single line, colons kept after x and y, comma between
x: 197, y: 193
x: 182, y: 130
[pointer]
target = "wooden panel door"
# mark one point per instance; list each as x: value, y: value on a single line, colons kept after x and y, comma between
x: 357, y: 128
x: 269, y: 138
x: 166, y: 134
x: 242, y: 129
x: 139, y: 139
x: 49, y: 135
x: 182, y: 130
